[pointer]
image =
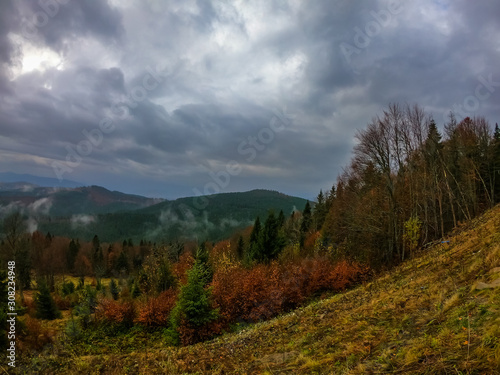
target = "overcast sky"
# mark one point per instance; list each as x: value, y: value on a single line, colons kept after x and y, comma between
x: 178, y: 98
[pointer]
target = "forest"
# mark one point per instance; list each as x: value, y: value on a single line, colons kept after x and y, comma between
x: 407, y: 185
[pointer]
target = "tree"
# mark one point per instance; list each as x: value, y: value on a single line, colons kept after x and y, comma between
x: 121, y: 263
x: 240, y: 248
x: 281, y: 219
x: 254, y: 239
x: 136, y: 289
x: 496, y: 164
x: 73, y: 249
x: 305, y: 225
x: 320, y: 210
x: 14, y: 230
x: 97, y: 257
x: 113, y: 289
x: 270, y: 242
x: 45, y: 306
x: 194, y: 306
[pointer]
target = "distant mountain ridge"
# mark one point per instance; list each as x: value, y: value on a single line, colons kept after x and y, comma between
x: 10, y: 177
x: 57, y: 201
x: 85, y: 211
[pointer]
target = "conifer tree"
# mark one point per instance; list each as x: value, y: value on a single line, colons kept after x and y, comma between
x: 45, y: 306
x: 194, y: 305
x: 136, y: 290
x: 113, y: 289
x: 73, y: 249
x: 306, y: 223
x: 319, y: 214
x: 254, y: 239
x: 240, y: 248
x: 271, y: 242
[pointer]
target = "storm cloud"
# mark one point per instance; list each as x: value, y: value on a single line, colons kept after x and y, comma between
x: 167, y: 98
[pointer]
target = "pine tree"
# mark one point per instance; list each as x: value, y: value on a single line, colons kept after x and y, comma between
x: 113, y: 289
x: 45, y: 306
x: 97, y: 257
x: 202, y: 256
x: 121, y: 263
x: 271, y: 241
x: 255, y: 239
x: 240, y: 248
x: 319, y: 214
x: 194, y: 305
x: 136, y: 290
x: 166, y: 279
x: 281, y: 219
x: 306, y: 223
x: 73, y: 249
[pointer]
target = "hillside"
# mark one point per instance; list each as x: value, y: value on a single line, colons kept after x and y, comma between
x: 435, y: 314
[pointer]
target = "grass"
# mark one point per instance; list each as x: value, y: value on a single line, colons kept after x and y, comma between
x: 424, y: 317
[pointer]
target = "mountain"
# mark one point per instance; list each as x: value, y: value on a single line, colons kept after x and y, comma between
x: 212, y: 217
x: 7, y: 177
x: 65, y: 202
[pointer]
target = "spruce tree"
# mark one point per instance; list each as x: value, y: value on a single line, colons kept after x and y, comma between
x: 240, y: 248
x: 73, y: 249
x: 45, y: 306
x: 271, y: 241
x: 194, y: 305
x: 319, y: 213
x: 113, y: 289
x: 136, y: 290
x: 306, y: 223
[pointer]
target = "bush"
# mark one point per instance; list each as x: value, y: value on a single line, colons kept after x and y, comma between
x: 155, y: 311
x: 35, y: 336
x: 67, y: 288
x: 250, y: 295
x: 119, y: 312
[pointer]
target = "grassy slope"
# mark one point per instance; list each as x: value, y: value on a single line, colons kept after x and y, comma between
x: 424, y: 317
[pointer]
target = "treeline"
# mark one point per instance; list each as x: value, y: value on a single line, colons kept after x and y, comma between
x: 408, y: 184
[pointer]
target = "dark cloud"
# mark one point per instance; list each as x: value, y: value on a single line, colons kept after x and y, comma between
x: 187, y: 87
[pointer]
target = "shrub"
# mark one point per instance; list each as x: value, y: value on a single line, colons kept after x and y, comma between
x: 35, y: 336
x: 68, y: 288
x: 119, y: 312
x: 155, y: 311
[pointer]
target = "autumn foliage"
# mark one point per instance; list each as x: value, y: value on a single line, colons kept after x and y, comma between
x: 155, y: 311
x: 120, y: 312
x: 250, y: 295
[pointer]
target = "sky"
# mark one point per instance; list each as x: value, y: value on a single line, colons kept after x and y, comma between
x: 180, y: 98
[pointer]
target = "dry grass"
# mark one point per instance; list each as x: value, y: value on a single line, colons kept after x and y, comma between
x: 424, y: 317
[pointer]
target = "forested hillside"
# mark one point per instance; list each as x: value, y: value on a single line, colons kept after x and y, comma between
x: 407, y: 184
